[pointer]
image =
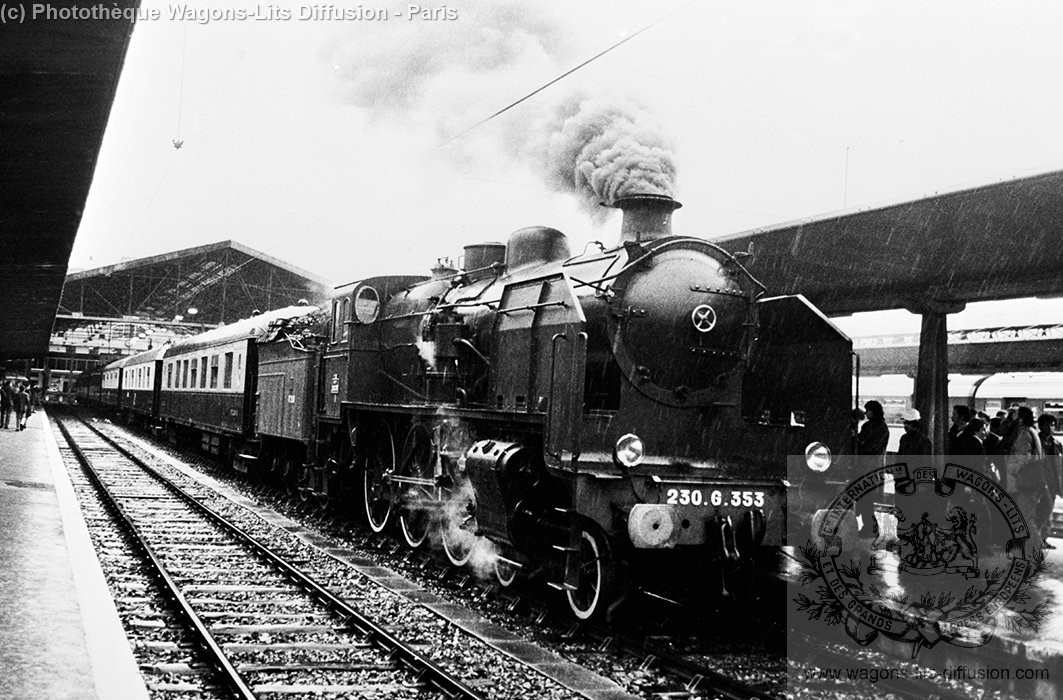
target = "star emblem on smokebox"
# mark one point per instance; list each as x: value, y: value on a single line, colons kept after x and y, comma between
x: 704, y: 318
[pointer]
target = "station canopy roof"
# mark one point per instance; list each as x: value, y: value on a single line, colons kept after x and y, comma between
x: 211, y: 284
x: 57, y: 83
x: 997, y: 241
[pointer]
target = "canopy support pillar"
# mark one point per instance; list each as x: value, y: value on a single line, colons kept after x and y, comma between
x: 932, y: 370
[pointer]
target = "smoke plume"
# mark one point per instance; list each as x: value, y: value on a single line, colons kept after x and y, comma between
x: 405, y: 68
x: 601, y: 151
x: 439, y: 78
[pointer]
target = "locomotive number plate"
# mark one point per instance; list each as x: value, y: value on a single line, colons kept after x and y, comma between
x: 716, y: 498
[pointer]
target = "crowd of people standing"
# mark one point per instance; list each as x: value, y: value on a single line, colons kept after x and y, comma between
x: 15, y: 398
x: 1018, y: 450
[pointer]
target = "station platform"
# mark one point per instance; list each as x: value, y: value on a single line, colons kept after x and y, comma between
x: 60, y: 636
x: 1010, y: 650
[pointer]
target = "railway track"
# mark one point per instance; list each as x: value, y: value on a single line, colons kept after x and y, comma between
x: 262, y: 626
x: 646, y: 667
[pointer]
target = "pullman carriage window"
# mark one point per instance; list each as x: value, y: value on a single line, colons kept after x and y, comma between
x: 227, y: 372
x: 195, y: 374
x: 203, y: 372
x: 169, y: 375
x: 184, y: 374
x: 213, y: 371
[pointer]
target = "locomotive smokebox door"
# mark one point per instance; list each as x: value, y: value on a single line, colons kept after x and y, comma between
x: 682, y: 318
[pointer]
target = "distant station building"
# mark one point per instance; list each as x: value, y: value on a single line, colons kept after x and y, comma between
x: 137, y: 305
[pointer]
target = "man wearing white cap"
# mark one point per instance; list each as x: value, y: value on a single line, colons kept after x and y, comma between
x: 913, y: 442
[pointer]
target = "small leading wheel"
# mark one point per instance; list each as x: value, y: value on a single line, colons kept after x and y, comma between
x: 505, y: 572
x: 377, y: 490
x: 457, y: 524
x: 417, y: 464
x: 594, y: 569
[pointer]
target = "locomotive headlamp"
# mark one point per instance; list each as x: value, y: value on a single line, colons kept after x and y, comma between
x: 817, y: 457
x: 629, y: 450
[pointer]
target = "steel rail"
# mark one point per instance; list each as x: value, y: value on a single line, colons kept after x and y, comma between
x: 221, y: 662
x: 426, y: 670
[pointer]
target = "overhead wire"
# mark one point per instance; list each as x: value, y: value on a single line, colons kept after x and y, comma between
x: 513, y: 104
x: 558, y: 79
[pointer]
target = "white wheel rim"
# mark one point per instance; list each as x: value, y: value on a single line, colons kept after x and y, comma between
x: 410, y: 519
x: 412, y: 538
x: 375, y: 527
x: 586, y: 613
x: 505, y: 573
x: 457, y: 554
x: 367, y: 501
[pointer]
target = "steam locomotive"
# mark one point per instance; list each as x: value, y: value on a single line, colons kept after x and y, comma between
x: 604, y: 420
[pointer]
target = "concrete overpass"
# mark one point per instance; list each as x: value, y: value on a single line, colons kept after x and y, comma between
x: 931, y: 256
x: 1035, y: 348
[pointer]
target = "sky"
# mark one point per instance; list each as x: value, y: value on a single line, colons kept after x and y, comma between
x: 354, y: 147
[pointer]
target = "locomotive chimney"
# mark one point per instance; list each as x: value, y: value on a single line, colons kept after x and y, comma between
x: 647, y: 217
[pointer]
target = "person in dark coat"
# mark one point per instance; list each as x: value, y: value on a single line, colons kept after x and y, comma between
x: 914, y: 442
x: 1008, y: 426
x: 970, y: 441
x: 7, y: 403
x: 994, y: 449
x: 874, y: 435
x: 871, y: 444
x: 961, y: 416
x: 22, y: 407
